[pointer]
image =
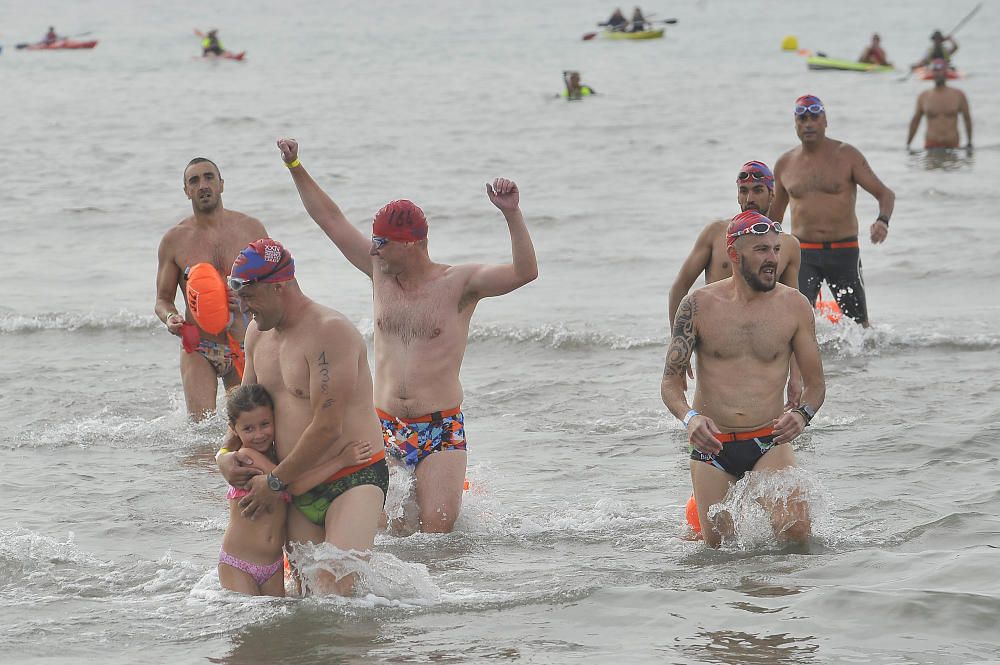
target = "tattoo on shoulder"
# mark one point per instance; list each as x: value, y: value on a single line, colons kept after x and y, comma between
x: 683, y: 340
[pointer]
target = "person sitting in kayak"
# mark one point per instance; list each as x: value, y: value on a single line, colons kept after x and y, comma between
x: 938, y: 50
x: 50, y: 37
x: 211, y: 44
x: 617, y: 22
x: 575, y: 89
x: 638, y: 21
x: 873, y: 53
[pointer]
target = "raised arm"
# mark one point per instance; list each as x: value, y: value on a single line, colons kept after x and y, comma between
x: 915, y: 121
x: 496, y: 280
x: 866, y: 178
x: 327, y: 214
x: 695, y: 264
x: 167, y: 277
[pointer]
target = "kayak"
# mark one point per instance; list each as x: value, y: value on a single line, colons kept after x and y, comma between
x: 924, y: 73
x: 61, y: 44
x: 642, y: 34
x: 226, y: 55
x: 822, y: 63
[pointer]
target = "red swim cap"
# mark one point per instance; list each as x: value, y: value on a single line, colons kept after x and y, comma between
x: 401, y: 221
x: 746, y: 220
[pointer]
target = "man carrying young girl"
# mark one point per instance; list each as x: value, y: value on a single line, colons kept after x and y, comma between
x: 314, y: 363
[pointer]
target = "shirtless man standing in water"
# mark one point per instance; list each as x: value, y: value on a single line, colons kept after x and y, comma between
x: 422, y: 314
x: 212, y: 235
x: 942, y: 106
x: 744, y: 329
x: 820, y: 178
x: 314, y: 363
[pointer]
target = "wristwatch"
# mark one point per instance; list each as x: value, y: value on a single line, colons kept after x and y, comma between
x: 689, y: 415
x: 807, y: 412
x: 883, y: 219
x: 274, y: 483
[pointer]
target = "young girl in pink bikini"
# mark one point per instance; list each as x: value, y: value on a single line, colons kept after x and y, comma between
x: 251, y: 557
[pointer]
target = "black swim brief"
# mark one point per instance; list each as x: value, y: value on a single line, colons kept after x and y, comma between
x: 740, y: 451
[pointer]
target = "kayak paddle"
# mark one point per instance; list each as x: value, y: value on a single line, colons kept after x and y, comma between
x: 953, y: 31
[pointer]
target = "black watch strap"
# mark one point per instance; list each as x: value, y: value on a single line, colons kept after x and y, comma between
x: 275, y: 483
x: 883, y: 219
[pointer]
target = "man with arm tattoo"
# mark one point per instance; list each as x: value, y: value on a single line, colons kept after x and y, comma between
x: 744, y: 329
x: 820, y: 179
x: 314, y: 363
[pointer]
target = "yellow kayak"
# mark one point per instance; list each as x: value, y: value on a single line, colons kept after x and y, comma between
x: 644, y: 34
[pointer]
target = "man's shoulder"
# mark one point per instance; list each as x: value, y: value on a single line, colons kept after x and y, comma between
x: 327, y: 323
x: 243, y: 220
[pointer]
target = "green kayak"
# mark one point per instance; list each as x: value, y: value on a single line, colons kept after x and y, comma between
x: 821, y: 63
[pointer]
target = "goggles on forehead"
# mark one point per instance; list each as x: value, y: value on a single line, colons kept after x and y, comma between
x: 237, y: 283
x: 758, y: 229
x: 815, y: 109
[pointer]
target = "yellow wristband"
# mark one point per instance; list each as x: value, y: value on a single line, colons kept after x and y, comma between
x: 292, y: 165
x: 222, y: 451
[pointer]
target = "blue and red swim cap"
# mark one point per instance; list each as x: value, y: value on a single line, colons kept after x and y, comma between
x: 755, y: 170
x: 264, y: 260
x: 402, y: 221
x: 809, y: 104
x: 744, y: 223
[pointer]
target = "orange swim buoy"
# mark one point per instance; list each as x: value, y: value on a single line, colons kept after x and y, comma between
x: 691, y: 513
x: 208, y: 299
x: 828, y: 308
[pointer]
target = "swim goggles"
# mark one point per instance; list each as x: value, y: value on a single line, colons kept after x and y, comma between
x: 758, y: 229
x: 237, y: 283
x: 378, y: 242
x: 752, y: 175
x: 815, y: 109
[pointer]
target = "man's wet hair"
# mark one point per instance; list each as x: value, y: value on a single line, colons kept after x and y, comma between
x: 201, y: 160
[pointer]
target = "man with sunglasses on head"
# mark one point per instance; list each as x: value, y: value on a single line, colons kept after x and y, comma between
x: 745, y: 329
x: 422, y: 315
x: 820, y: 179
x: 314, y: 363
x: 754, y: 191
x: 214, y: 235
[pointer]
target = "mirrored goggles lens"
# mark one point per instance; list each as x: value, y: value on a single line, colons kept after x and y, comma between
x: 815, y: 109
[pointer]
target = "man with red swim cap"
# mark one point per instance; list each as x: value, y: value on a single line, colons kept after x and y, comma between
x: 214, y: 235
x: 314, y: 363
x: 745, y: 330
x: 754, y: 191
x: 422, y: 314
x: 820, y: 179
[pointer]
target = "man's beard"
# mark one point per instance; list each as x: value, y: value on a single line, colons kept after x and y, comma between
x: 754, y: 280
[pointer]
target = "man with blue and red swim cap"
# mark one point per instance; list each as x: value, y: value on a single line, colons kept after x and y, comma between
x: 941, y: 105
x: 422, y: 315
x: 314, y: 363
x: 745, y: 330
x: 820, y: 179
x: 213, y: 235
x: 754, y: 192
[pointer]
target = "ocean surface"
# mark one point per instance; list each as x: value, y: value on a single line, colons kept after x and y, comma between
x: 572, y: 546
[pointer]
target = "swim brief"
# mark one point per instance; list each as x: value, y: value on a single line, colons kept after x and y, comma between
x: 935, y: 145
x: 740, y: 451
x: 839, y: 264
x: 314, y: 503
x: 259, y: 573
x: 218, y: 354
x: 413, y: 439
